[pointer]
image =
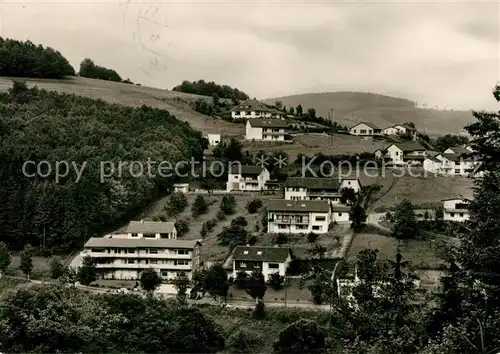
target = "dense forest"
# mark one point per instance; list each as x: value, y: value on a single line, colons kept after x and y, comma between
x: 210, y: 88
x: 25, y: 59
x: 36, y: 125
x: 92, y: 71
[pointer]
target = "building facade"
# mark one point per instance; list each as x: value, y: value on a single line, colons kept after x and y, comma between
x: 455, y: 209
x: 213, y: 139
x: 297, y: 188
x: 252, y: 109
x: 266, y: 129
x: 296, y: 217
x: 365, y: 129
x: 267, y: 260
x: 247, y: 178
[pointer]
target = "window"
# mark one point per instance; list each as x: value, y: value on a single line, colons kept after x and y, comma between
x: 245, y: 252
x: 181, y: 262
x: 98, y: 250
x: 243, y: 265
x: 282, y: 226
x: 362, y: 131
x: 274, y: 266
x: 349, y: 182
x: 153, y: 250
x: 320, y: 218
x: 153, y: 261
x: 134, y: 235
x: 259, y: 253
x: 316, y: 227
x: 182, y: 252
x: 180, y: 274
x: 131, y: 261
x: 164, y: 273
x: 149, y: 235
x: 457, y: 171
x: 452, y: 215
x: 130, y: 250
x: 301, y: 227
x: 340, y: 214
x: 461, y: 215
x: 354, y: 131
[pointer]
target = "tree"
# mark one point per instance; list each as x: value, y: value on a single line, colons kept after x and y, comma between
x: 204, y: 230
x: 303, y: 336
x: 311, y: 112
x: 182, y: 227
x: 227, y: 204
x: 57, y: 268
x: 216, y: 100
x: 405, y: 221
x: 150, y: 280
x: 176, y: 203
x: 276, y: 281
x: 215, y: 281
x: 181, y: 284
x: 256, y: 286
x: 199, y: 206
x: 232, y: 236
x: 87, y: 272
x: 241, y: 280
x: 26, y: 262
x: 358, y: 202
x: 312, y: 237
x: 242, y: 342
x: 5, y: 258
x: 449, y: 140
x: 278, y: 104
x: 299, y: 110
x: 254, y: 205
x: 239, y: 221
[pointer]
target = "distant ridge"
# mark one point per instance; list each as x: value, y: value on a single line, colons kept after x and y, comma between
x: 350, y: 108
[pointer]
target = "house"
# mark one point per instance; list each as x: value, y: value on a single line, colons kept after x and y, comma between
x: 181, y: 187
x: 124, y: 257
x: 455, y: 209
x: 402, y: 153
x: 151, y: 230
x: 457, y: 164
x: 422, y: 214
x: 433, y: 165
x: 267, y: 260
x: 213, y: 139
x: 273, y: 185
x: 247, y: 178
x: 340, y: 214
x: 462, y: 150
x: 400, y: 129
x: 266, y: 129
x: 295, y: 217
x: 252, y: 108
x: 297, y: 188
x: 365, y: 129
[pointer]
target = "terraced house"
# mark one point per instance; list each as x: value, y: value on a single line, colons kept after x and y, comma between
x: 267, y: 260
x: 247, y: 178
x: 266, y: 129
x: 296, y: 217
x: 144, y: 245
x: 297, y: 188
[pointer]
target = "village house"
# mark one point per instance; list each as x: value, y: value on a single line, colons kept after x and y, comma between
x: 295, y: 217
x: 365, y: 129
x: 251, y: 109
x: 462, y: 150
x: 456, y: 164
x: 402, y: 153
x: 273, y: 185
x: 422, y: 214
x: 145, y: 245
x: 247, y: 178
x: 435, y: 166
x: 213, y: 139
x: 268, y: 260
x: 266, y: 129
x: 181, y: 187
x: 400, y: 129
x: 297, y: 188
x: 455, y: 209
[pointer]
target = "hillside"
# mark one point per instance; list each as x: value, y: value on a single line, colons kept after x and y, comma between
x: 379, y: 109
x: 136, y: 96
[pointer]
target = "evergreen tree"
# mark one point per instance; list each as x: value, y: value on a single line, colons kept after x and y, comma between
x: 406, y: 226
x: 5, y: 258
x: 87, y: 272
x: 150, y: 280
x: 26, y: 262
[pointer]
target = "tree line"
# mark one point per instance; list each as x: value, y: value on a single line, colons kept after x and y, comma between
x: 201, y: 87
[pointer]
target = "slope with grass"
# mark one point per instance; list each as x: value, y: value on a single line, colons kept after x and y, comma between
x: 379, y: 109
x: 136, y: 96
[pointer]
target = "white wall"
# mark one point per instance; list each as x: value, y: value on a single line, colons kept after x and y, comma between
x: 292, y: 193
x: 252, y: 114
x: 213, y: 139
x: 297, y: 228
x: 340, y: 216
x: 235, y: 182
x: 432, y: 166
x: 395, y: 153
x: 350, y: 183
x: 356, y: 130
x: 253, y: 133
x: 454, y: 216
x: 391, y: 131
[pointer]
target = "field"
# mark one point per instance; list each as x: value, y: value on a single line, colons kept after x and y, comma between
x: 352, y: 107
x: 41, y: 268
x: 135, y: 96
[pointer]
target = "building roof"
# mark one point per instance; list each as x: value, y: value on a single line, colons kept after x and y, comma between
x: 313, y: 183
x: 408, y: 146
x: 150, y: 227
x: 213, y: 135
x: 457, y: 157
x: 251, y: 105
x: 340, y: 208
x: 261, y: 254
x: 371, y: 125
x: 246, y: 170
x: 140, y: 243
x: 433, y: 159
x: 406, y: 125
x: 273, y: 182
x: 315, y: 206
x: 268, y: 123
x: 459, y: 150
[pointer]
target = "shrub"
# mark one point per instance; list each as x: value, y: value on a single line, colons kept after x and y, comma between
x: 281, y: 239
x: 182, y: 227
x: 242, y: 342
x: 241, y: 280
x: 254, y: 205
x: 276, y: 281
x: 259, y: 311
x: 176, y: 204
x: 228, y: 204
x: 239, y: 221
x: 199, y: 206
x: 252, y: 240
x: 303, y: 336
x: 312, y: 237
x: 220, y: 215
x: 211, y: 224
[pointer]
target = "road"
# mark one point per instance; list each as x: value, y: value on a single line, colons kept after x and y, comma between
x: 374, y: 218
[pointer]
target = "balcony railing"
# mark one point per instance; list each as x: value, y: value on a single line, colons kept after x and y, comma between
x: 142, y: 255
x: 143, y: 266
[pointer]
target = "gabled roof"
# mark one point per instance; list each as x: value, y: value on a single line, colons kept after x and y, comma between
x: 150, y: 227
x: 433, y: 159
x: 313, y: 183
x: 268, y: 123
x: 457, y: 157
x: 340, y: 208
x: 314, y: 206
x: 408, y: 146
x: 371, y: 125
x: 251, y: 105
x: 261, y: 254
x: 98, y: 242
x: 246, y: 170
x: 459, y: 150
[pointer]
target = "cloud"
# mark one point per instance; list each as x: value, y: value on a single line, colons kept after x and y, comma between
x: 443, y: 53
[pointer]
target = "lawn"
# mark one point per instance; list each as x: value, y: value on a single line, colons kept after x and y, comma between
x: 293, y: 292
x: 41, y: 267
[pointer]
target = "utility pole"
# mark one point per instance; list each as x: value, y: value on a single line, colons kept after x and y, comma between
x: 44, y: 237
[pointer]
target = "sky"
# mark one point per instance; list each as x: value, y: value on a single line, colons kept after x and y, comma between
x: 444, y: 54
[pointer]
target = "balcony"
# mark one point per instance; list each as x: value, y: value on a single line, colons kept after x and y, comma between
x: 304, y: 221
x: 327, y: 194
x: 142, y: 255
x: 171, y: 266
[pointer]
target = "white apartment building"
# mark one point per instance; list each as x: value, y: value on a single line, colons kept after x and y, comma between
x: 365, y: 129
x: 266, y: 129
x: 251, y: 109
x: 125, y: 256
x: 297, y: 188
x: 247, y: 178
x: 296, y: 217
x: 213, y: 139
x: 455, y: 209
x: 268, y: 260
x: 403, y: 153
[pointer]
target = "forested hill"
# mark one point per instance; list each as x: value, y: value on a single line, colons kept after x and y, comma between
x: 36, y: 125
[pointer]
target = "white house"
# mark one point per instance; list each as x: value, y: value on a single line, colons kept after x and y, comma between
x: 295, y: 217
x: 268, y: 260
x: 247, y: 178
x: 403, y: 153
x: 340, y: 213
x: 455, y: 209
x: 365, y: 129
x: 462, y: 150
x: 181, y: 187
x: 151, y: 230
x: 433, y: 165
x: 266, y: 129
x: 213, y: 139
x: 251, y: 109
x: 309, y: 188
x: 400, y: 129
x: 125, y: 257
x: 456, y: 164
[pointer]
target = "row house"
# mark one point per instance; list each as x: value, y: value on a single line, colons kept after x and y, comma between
x: 251, y: 109
x: 456, y: 209
x: 409, y: 153
x: 365, y: 129
x: 125, y: 256
x: 266, y: 129
x: 296, y: 217
x: 247, y: 178
x: 267, y: 260
x: 297, y: 188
